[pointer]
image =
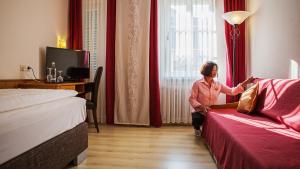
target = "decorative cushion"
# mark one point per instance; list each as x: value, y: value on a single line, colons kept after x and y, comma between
x: 279, y: 99
x: 248, y: 100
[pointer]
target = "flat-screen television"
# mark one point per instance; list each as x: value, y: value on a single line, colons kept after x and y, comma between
x: 74, y: 64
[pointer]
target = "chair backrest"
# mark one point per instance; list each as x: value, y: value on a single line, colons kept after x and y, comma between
x: 96, y: 85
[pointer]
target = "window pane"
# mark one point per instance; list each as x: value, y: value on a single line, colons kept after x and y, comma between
x: 189, y: 36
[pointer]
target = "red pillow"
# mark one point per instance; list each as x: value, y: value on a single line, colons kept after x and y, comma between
x: 279, y: 99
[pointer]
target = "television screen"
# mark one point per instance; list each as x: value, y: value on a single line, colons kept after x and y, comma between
x: 74, y: 64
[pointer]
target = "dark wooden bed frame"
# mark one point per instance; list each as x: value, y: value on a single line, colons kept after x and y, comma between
x: 55, y: 153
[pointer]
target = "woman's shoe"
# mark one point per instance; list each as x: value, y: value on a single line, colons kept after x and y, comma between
x: 197, y: 133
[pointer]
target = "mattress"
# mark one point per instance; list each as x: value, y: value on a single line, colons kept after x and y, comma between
x: 30, y: 125
x: 11, y: 99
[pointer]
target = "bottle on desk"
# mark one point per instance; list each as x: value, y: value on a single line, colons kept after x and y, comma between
x: 49, y: 74
x: 53, y: 73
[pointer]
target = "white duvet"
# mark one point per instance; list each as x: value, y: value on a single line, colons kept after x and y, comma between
x: 29, y: 117
x: 12, y: 99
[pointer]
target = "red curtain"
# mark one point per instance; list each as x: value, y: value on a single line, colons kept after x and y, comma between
x: 155, y: 115
x: 110, y: 60
x: 235, y: 5
x: 75, y: 25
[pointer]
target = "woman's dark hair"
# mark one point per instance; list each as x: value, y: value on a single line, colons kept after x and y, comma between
x: 206, y: 68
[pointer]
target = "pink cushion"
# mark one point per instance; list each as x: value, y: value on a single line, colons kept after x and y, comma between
x: 279, y: 99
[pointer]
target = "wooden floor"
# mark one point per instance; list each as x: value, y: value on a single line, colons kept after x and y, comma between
x: 170, y: 147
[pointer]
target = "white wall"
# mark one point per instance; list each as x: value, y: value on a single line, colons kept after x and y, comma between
x: 274, y: 38
x: 27, y: 27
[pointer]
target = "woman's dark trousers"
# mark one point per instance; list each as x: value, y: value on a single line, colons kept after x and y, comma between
x: 197, y: 120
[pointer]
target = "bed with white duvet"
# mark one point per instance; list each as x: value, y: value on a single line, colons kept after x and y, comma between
x: 29, y: 117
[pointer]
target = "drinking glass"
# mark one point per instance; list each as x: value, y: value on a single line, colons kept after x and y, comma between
x: 60, y: 79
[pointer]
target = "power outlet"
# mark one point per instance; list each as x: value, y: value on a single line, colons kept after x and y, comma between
x: 23, y: 68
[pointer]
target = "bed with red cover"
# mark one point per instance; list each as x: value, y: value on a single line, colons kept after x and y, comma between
x: 269, y: 138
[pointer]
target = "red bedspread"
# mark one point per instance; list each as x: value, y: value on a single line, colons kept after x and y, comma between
x: 240, y: 141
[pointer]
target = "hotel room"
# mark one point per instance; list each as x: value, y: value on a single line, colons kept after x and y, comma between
x: 158, y: 84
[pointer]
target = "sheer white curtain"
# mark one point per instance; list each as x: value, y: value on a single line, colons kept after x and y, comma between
x: 94, y: 40
x: 187, y: 38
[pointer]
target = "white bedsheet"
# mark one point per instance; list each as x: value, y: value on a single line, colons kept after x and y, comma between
x: 23, y: 129
x: 11, y: 99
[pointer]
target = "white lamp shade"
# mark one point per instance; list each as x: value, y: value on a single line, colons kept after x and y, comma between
x: 235, y: 17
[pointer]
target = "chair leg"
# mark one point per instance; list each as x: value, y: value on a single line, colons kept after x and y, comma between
x: 95, y: 119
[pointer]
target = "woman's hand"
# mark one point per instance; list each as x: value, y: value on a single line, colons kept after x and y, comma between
x: 247, y: 81
x: 202, y: 109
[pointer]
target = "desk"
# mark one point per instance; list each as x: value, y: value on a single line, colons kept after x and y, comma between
x: 81, y: 87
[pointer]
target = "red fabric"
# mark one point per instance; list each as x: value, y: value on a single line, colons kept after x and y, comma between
x: 279, y: 99
x: 235, y: 5
x: 241, y: 141
x: 155, y: 115
x: 75, y: 25
x: 110, y: 60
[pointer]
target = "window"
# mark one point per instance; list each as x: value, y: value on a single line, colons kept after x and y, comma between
x: 187, y: 32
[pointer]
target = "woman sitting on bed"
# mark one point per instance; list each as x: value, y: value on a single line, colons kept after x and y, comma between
x: 205, y: 92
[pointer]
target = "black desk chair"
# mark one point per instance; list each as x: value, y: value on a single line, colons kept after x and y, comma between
x: 92, y: 104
